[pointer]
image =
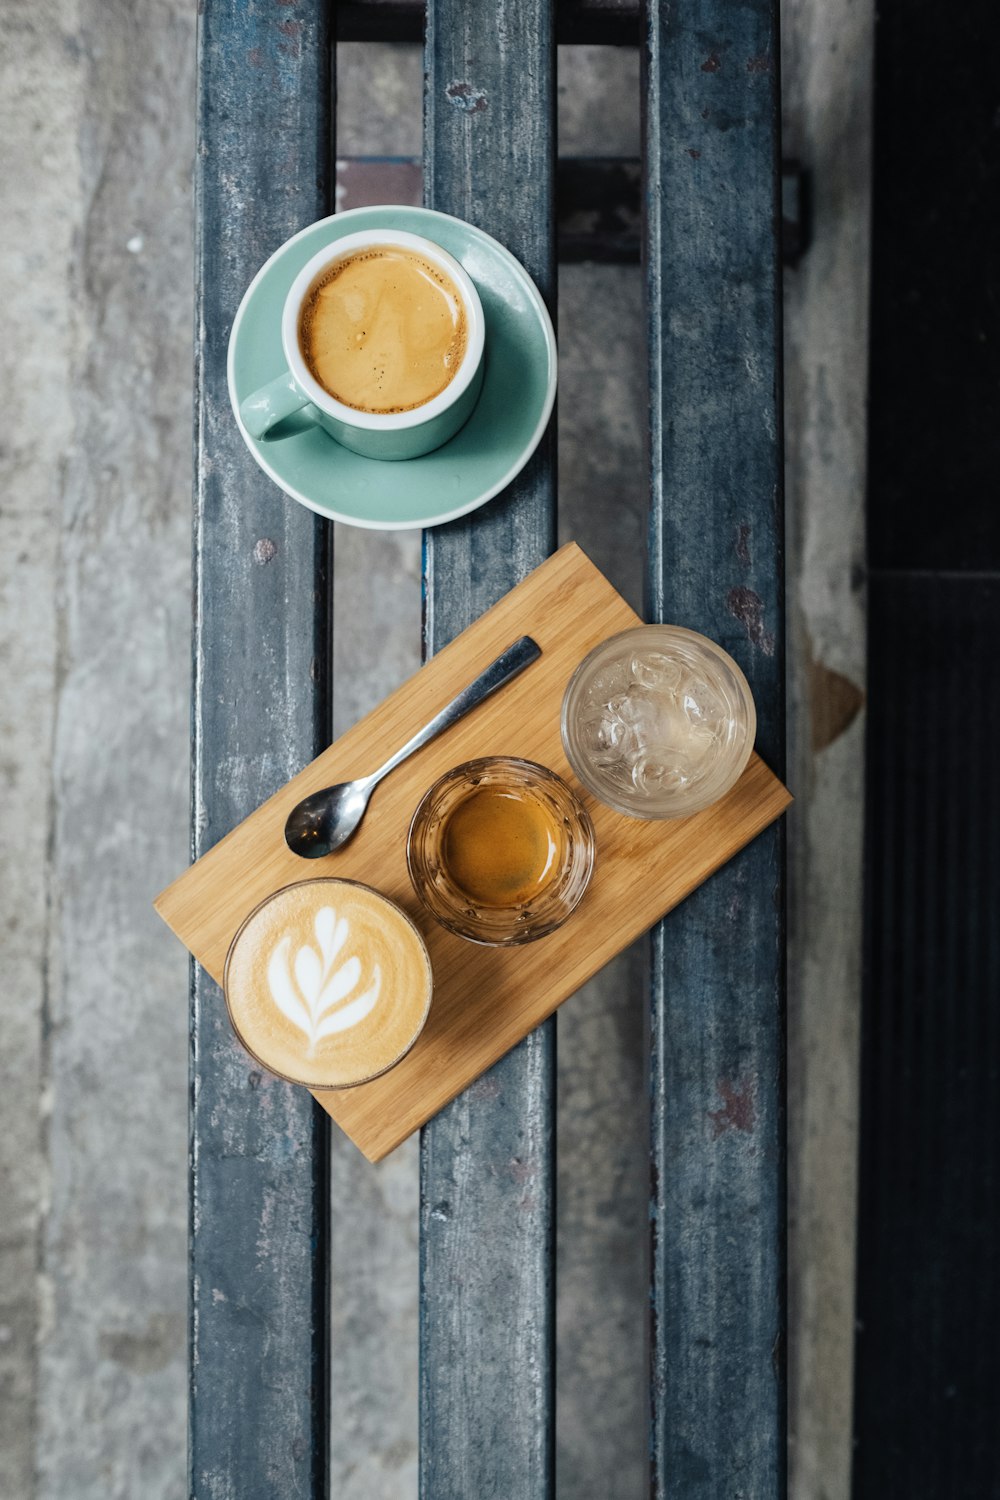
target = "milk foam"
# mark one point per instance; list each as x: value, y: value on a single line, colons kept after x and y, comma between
x: 313, y: 990
x: 328, y: 983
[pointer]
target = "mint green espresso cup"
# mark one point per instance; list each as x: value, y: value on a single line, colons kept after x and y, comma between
x: 382, y: 435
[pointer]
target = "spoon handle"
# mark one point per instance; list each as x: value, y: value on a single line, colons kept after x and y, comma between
x: 499, y: 672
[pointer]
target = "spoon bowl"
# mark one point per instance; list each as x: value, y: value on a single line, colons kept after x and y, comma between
x: 321, y: 823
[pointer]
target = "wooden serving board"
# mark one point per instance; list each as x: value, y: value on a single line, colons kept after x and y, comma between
x: 485, y: 999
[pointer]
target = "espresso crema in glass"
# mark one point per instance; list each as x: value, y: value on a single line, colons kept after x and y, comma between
x: 501, y: 846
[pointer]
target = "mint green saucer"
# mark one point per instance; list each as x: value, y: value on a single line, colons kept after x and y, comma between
x: 504, y: 430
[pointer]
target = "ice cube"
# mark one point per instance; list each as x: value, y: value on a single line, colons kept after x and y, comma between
x: 655, y: 670
x: 638, y: 708
x: 654, y: 773
x: 618, y: 773
x: 605, y: 735
x: 704, y: 708
x: 611, y: 681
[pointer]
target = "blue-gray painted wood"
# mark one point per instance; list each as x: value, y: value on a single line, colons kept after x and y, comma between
x: 487, y: 1170
x: 261, y: 709
x: 718, y: 1194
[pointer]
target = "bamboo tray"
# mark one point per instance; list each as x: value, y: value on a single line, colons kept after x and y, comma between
x: 485, y: 999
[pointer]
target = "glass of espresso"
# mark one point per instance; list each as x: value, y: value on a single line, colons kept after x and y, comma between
x: 384, y: 336
x: 328, y: 983
x: 500, y: 850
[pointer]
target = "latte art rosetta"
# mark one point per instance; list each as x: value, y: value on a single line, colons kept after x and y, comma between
x: 316, y: 999
x: 328, y: 983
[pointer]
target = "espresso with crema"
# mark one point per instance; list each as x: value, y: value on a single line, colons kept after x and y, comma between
x: 328, y: 983
x: 384, y: 330
x: 501, y: 846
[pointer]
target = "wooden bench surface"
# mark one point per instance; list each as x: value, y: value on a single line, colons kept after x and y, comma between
x: 259, y: 1256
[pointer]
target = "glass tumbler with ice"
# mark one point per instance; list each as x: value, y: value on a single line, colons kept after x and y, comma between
x: 658, y: 722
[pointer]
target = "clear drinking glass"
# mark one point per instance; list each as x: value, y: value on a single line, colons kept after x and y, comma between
x: 500, y: 850
x: 658, y: 722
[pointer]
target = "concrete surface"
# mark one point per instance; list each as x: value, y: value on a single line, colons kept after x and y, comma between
x: 40, y: 91
x: 96, y: 245
x: 827, y: 69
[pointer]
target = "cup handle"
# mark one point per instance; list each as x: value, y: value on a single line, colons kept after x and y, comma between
x: 271, y: 405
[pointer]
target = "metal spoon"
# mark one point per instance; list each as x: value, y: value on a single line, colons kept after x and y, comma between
x: 325, y: 821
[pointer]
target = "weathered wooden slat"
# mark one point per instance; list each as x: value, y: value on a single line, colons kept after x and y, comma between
x: 259, y: 1191
x: 712, y: 241
x: 487, y: 1317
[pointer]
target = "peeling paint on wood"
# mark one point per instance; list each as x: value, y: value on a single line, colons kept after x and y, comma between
x: 747, y: 606
x: 464, y: 97
x: 737, y: 1111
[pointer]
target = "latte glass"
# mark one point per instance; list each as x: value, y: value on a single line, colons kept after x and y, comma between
x: 500, y: 851
x: 658, y: 722
x: 328, y: 983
